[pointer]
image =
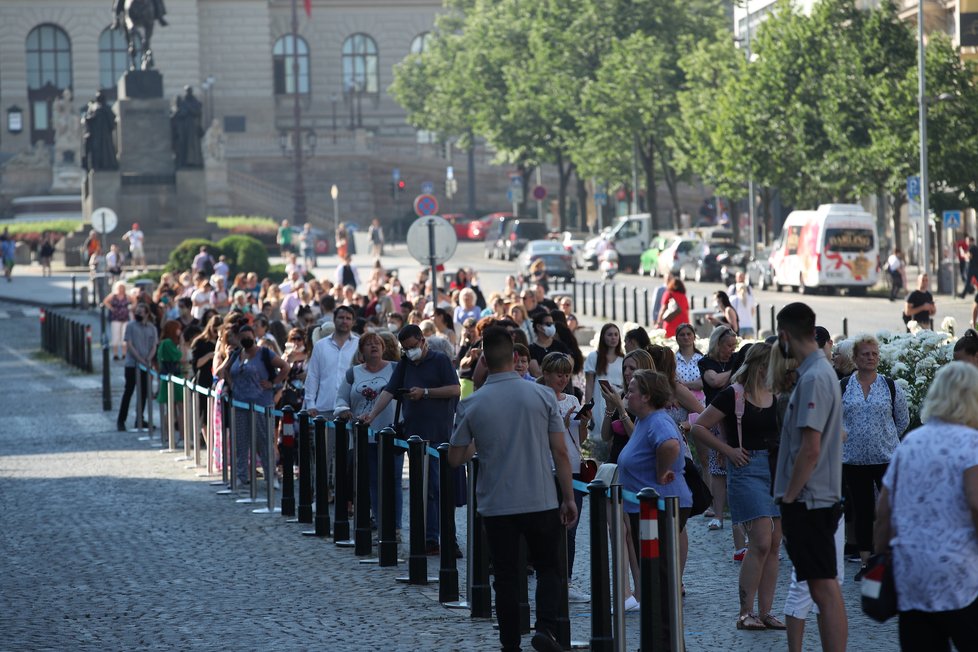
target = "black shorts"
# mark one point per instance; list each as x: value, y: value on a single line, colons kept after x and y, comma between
x: 809, y: 537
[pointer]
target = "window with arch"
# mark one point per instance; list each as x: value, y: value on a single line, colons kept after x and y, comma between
x: 113, y: 59
x: 48, y: 74
x: 360, y: 70
x: 285, y: 52
x: 421, y: 43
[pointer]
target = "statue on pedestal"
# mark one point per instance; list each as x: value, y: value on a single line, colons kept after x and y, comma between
x: 138, y: 17
x: 99, y: 123
x: 186, y: 130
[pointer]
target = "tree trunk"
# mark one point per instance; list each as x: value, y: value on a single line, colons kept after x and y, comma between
x: 647, y: 157
x: 672, y: 184
x: 897, y: 199
x: 581, y: 202
x: 766, y: 213
x: 563, y: 175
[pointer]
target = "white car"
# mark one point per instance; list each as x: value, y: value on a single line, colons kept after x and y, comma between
x: 676, y: 255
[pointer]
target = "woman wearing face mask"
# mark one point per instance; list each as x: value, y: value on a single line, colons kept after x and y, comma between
x: 247, y: 370
x: 546, y: 342
x: 296, y: 355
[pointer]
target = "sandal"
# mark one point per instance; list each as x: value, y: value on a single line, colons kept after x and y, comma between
x: 772, y: 623
x: 715, y: 524
x: 750, y: 622
x: 709, y: 513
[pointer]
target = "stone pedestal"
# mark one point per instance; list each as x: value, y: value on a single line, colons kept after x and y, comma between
x: 218, y: 188
x: 168, y: 204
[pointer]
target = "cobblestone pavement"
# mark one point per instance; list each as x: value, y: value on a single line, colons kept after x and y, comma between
x: 109, y: 544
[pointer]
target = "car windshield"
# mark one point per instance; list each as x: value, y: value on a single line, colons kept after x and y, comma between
x: 531, y: 230
x: 545, y: 247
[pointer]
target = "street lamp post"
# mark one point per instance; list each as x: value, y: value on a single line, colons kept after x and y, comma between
x: 334, y: 192
x: 298, y: 189
x: 922, y: 113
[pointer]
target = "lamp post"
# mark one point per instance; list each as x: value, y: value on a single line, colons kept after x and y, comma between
x: 298, y: 188
x: 750, y: 177
x: 334, y: 192
x: 922, y: 114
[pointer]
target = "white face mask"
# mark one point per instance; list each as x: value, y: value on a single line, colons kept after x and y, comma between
x: 549, y: 330
x: 391, y: 326
x: 413, y: 354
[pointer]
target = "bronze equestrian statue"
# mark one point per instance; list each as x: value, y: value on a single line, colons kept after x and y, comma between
x: 137, y: 18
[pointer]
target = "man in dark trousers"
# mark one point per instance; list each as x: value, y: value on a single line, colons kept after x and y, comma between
x: 428, y: 388
x: 516, y: 491
x: 141, y: 340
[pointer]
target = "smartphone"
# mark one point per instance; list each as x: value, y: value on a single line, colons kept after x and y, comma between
x: 585, y: 410
x: 605, y: 385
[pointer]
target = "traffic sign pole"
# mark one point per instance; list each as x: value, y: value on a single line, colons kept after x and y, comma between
x: 432, y: 261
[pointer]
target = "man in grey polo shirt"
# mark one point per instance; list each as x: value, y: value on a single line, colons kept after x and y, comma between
x: 808, y: 480
x: 517, y: 429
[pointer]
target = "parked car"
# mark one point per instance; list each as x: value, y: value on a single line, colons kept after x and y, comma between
x: 478, y: 228
x: 494, y: 233
x: 558, y: 261
x: 707, y: 262
x: 675, y: 255
x: 460, y: 222
x: 516, y: 233
x: 649, y: 260
x: 760, y: 274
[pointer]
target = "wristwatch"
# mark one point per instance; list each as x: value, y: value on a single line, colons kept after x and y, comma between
x: 426, y: 392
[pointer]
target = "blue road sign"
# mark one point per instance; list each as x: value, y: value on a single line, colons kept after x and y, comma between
x: 913, y: 188
x: 396, y: 174
x: 600, y: 198
x: 427, y: 187
x: 952, y: 219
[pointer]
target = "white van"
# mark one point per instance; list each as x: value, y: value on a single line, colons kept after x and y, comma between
x: 631, y: 234
x: 835, y: 246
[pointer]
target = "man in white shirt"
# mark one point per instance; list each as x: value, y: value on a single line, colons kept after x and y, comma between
x: 291, y: 302
x: 201, y: 297
x: 331, y: 357
x: 136, y: 238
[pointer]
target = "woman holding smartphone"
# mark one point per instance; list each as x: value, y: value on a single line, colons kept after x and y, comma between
x: 606, y: 364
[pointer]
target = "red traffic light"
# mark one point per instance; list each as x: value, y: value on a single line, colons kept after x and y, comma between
x: 401, y: 184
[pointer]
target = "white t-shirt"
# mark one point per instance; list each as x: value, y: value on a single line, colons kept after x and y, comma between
x: 745, y: 310
x: 570, y: 405
x: 136, y: 238
x: 893, y: 263
x: 202, y: 301
x: 613, y: 376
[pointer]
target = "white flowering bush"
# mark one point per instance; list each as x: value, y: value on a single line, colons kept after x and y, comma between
x: 912, y: 359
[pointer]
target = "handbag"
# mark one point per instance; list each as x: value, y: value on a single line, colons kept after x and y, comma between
x: 879, y: 594
x: 702, y: 497
x: 589, y: 467
x: 672, y: 310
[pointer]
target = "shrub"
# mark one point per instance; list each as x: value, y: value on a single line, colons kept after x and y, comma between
x: 60, y: 226
x: 182, y: 258
x: 244, y: 254
x: 246, y: 224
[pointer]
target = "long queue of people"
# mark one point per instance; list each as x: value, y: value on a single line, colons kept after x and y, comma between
x: 776, y: 432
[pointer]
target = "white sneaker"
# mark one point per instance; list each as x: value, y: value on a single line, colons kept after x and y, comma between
x: 631, y: 604
x: 575, y: 596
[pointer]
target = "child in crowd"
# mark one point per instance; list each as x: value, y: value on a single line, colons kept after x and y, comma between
x: 522, y: 364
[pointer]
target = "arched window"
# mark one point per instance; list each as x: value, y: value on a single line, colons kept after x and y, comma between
x: 421, y: 43
x: 48, y: 74
x: 113, y: 59
x: 283, y: 54
x: 360, y: 65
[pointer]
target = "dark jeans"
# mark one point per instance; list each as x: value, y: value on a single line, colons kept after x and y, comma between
x: 542, y: 532
x: 862, y: 480
x: 935, y: 631
x: 127, y: 396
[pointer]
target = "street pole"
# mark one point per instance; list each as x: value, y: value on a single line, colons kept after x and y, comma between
x: 334, y: 192
x: 471, y: 172
x: 539, y: 201
x: 298, y: 190
x: 432, y: 261
x: 106, y: 376
x: 635, y: 174
x: 922, y: 112
x: 750, y: 177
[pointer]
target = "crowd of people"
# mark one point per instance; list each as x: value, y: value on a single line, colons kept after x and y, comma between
x: 784, y: 431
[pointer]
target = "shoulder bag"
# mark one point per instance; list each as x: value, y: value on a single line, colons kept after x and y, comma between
x: 879, y: 594
x: 702, y: 496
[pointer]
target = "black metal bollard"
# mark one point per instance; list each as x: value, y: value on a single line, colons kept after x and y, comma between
x: 321, y: 520
x: 74, y: 300
x: 448, y: 568
x: 362, y: 536
x: 653, y: 634
x: 604, y: 300
x: 594, y: 299
x: 341, y: 516
x: 305, y: 469
x: 845, y: 326
x: 757, y: 321
x: 387, y: 543
x: 635, y: 306
x: 602, y: 639
x: 480, y: 590
x: 418, y: 465
x: 774, y: 326
x: 645, y: 309
x: 288, y: 454
x: 672, y: 611
x: 614, y: 305
x: 106, y: 380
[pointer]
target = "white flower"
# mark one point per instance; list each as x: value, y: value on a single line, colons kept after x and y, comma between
x: 914, y: 326
x: 949, y: 325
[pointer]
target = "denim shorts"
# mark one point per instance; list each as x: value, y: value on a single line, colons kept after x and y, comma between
x: 749, y: 489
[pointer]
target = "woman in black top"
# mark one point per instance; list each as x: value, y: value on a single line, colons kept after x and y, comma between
x: 546, y: 342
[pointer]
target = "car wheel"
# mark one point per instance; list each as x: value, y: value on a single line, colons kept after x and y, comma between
x: 698, y: 276
x: 682, y: 275
x: 761, y: 283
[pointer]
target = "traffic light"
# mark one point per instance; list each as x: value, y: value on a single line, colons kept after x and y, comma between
x: 401, y: 185
x: 397, y: 187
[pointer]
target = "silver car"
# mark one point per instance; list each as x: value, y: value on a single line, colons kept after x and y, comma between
x: 558, y: 261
